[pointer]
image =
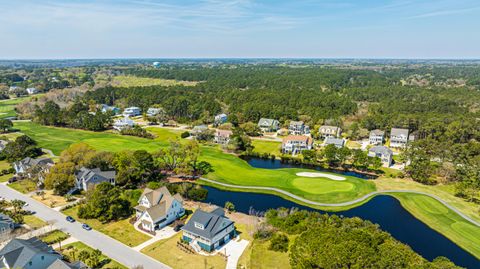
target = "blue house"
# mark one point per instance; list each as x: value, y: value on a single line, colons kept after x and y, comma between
x: 221, y: 119
x: 208, y: 230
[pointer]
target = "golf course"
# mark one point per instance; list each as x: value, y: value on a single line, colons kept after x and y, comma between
x: 232, y: 170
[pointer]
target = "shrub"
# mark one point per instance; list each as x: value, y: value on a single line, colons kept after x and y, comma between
x: 279, y: 242
x: 185, y: 134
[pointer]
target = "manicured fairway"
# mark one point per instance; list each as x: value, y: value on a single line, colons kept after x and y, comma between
x: 58, y: 139
x: 7, y: 107
x: 443, y: 220
x: 231, y: 169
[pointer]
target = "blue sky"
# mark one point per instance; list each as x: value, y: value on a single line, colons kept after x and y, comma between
x: 239, y: 28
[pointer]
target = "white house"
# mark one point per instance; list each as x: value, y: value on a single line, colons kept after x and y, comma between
x: 86, y: 178
x: 39, y: 166
x: 376, y: 137
x: 338, y: 142
x: 220, y: 119
x: 329, y: 131
x: 158, y: 208
x: 222, y: 137
x: 105, y: 108
x: 32, y: 90
x: 268, y: 125
x: 132, y: 111
x: 398, y: 138
x: 295, y: 144
x: 385, y: 154
x: 123, y: 123
x: 153, y: 111
x: 298, y: 128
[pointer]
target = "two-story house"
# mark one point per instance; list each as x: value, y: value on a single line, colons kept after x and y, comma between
x: 385, y: 154
x: 30, y: 167
x: 376, y: 137
x: 87, y: 178
x: 7, y: 225
x: 106, y: 108
x: 329, y: 131
x: 132, y: 111
x: 268, y: 125
x: 158, y: 208
x: 123, y: 123
x: 298, y: 128
x: 208, y: 230
x: 398, y: 137
x: 220, y: 119
x: 294, y: 144
x: 153, y: 111
x: 337, y: 142
x: 222, y: 137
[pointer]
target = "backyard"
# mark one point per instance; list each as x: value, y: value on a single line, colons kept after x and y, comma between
x: 72, y: 250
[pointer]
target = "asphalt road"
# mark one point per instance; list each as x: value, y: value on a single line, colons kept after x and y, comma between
x: 110, y: 247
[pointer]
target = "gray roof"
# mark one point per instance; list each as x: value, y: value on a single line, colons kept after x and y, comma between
x: 398, y: 132
x: 296, y: 123
x: 5, y: 221
x: 30, y: 162
x: 3, y: 143
x: 339, y: 142
x: 323, y: 127
x: 200, y: 128
x: 382, y: 150
x: 377, y: 132
x: 213, y: 222
x: 267, y: 122
x: 18, y: 252
x: 94, y: 174
x: 59, y: 264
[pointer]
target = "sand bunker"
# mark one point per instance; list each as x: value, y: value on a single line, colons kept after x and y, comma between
x: 316, y: 174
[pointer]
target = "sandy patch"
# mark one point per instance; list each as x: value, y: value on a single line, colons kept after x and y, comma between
x: 317, y: 174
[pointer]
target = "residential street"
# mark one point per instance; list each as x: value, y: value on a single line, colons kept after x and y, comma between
x: 110, y: 247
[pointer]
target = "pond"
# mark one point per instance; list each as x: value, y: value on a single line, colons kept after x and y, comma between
x: 276, y: 164
x: 384, y: 210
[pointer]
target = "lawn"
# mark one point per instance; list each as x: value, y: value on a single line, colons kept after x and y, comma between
x: 4, y: 165
x: 132, y: 81
x: 53, y: 237
x: 34, y: 222
x: 7, y: 107
x: 49, y: 199
x: 120, y: 230
x: 79, y: 246
x: 443, y: 220
x: 259, y: 256
x: 58, y: 139
x: 271, y: 147
x: 166, y: 251
x: 233, y: 170
x: 23, y: 186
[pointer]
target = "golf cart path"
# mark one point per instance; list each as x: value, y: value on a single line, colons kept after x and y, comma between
x: 352, y: 202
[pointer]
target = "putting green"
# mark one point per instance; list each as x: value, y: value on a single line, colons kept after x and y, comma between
x: 321, y: 185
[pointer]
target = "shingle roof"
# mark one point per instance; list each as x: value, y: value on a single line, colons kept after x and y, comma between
x: 398, y: 132
x: 377, y: 132
x: 30, y: 162
x: 323, y: 127
x: 266, y: 122
x: 89, y: 174
x: 224, y: 133
x: 335, y: 141
x: 59, y: 264
x: 304, y: 138
x: 5, y: 221
x: 293, y: 123
x: 18, y: 252
x: 161, y: 200
x: 382, y: 150
x: 213, y: 223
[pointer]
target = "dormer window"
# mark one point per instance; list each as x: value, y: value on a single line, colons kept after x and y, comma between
x: 199, y: 226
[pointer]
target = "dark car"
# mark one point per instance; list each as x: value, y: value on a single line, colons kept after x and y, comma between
x: 86, y: 227
x: 70, y: 219
x: 12, y: 179
x: 178, y: 227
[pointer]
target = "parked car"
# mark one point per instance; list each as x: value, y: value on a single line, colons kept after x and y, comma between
x: 86, y: 227
x: 70, y: 219
x: 12, y: 179
x: 178, y: 227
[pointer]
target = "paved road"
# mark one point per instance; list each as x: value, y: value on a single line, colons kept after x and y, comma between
x: 352, y: 202
x: 110, y: 247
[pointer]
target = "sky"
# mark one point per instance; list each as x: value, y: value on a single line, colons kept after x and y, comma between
x: 49, y: 29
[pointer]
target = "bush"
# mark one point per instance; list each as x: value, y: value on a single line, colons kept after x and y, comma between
x: 279, y: 242
x: 185, y: 134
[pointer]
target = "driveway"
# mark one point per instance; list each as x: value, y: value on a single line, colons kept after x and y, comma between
x: 233, y: 250
x: 110, y: 247
x: 164, y: 233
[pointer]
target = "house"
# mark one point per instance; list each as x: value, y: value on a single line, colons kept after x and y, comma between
x: 268, y: 125
x: 33, y: 254
x: 158, y: 208
x: 208, y: 230
x: 40, y: 165
x: 156, y: 64
x: 220, y: 119
x: 123, y: 123
x: 132, y: 111
x: 222, y: 136
x: 7, y: 225
x: 385, y: 154
x: 376, y: 137
x: 153, y: 111
x: 87, y: 178
x: 329, y: 131
x: 13, y: 88
x: 199, y: 129
x: 295, y: 144
x: 105, y: 108
x: 32, y: 91
x: 338, y: 142
x: 298, y: 128
x: 3, y: 144
x: 398, y: 138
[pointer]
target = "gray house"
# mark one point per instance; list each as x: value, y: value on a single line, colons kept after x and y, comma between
x: 208, y: 230
x: 33, y: 254
x: 268, y: 125
x: 398, y: 138
x: 376, y: 137
x: 338, y: 142
x: 3, y: 144
x: 86, y: 178
x: 298, y: 128
x: 39, y: 166
x: 382, y: 152
x: 7, y: 225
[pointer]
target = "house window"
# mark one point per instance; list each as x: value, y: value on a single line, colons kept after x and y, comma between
x: 199, y: 225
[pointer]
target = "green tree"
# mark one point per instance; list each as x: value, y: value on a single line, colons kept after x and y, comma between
x: 105, y: 203
x: 229, y: 206
x: 61, y: 178
x: 5, y: 125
